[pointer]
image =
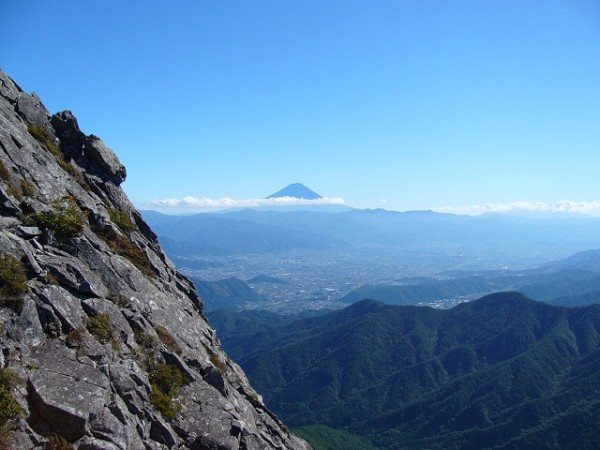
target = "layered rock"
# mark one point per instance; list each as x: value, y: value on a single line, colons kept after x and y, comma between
x: 103, y: 343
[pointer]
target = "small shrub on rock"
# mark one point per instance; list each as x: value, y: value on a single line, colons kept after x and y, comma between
x: 58, y: 442
x: 4, y: 173
x: 121, y: 245
x: 168, y: 339
x: 75, y: 338
x: 27, y: 188
x: 144, y: 340
x: 13, y: 282
x: 218, y: 363
x: 103, y: 330
x: 48, y: 141
x: 145, y: 352
x: 9, y: 407
x: 165, y: 404
x: 65, y: 221
x: 166, y: 380
x: 122, y: 220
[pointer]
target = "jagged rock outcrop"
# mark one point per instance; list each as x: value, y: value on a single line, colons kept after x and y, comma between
x: 103, y: 343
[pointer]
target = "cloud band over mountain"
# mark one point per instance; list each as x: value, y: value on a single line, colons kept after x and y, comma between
x: 561, y: 206
x: 198, y: 204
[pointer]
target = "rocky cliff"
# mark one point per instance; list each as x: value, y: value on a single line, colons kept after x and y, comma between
x: 103, y: 343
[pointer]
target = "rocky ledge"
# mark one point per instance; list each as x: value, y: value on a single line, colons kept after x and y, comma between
x: 103, y: 343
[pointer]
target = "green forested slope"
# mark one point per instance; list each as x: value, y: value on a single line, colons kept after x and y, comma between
x: 500, y: 372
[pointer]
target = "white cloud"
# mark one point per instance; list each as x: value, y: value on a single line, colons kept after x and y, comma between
x: 561, y: 206
x: 190, y: 203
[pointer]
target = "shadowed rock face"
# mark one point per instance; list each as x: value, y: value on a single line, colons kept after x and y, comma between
x: 91, y: 310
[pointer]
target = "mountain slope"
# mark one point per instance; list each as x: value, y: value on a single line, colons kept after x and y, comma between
x: 103, y: 344
x: 296, y: 190
x: 499, y: 372
x: 230, y: 293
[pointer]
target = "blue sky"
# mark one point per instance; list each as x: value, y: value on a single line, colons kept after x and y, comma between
x: 461, y: 106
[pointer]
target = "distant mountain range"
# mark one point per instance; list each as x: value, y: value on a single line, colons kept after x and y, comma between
x: 253, y: 231
x: 501, y: 372
x: 230, y: 234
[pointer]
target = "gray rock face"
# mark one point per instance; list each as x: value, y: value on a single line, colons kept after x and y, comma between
x: 105, y: 338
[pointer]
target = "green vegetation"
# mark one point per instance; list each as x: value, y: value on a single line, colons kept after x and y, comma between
x: 238, y: 331
x: 145, y: 352
x: 9, y: 407
x: 9, y: 379
x: 167, y: 339
x: 321, y: 437
x: 64, y: 222
x: 119, y: 300
x: 4, y: 173
x: 103, y: 330
x: 59, y: 443
x: 231, y: 293
x: 48, y: 141
x: 499, y: 372
x: 13, y: 282
x: 166, y: 380
x: 122, y: 220
x: 218, y: 363
x: 75, y: 337
x: 27, y: 188
x: 144, y: 340
x: 13, y: 277
x: 123, y: 246
x: 17, y: 190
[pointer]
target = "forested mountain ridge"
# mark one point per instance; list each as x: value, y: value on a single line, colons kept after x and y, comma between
x: 499, y: 372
